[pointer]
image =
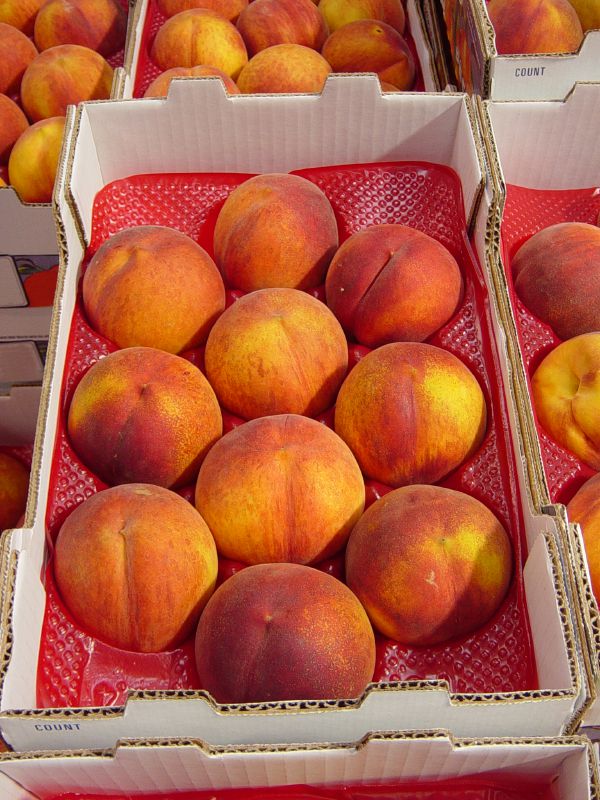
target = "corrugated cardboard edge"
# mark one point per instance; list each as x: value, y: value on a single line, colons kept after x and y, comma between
x: 433, y: 43
x: 434, y: 25
x: 416, y: 735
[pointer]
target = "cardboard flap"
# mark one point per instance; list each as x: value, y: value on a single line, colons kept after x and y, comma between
x: 33, y: 234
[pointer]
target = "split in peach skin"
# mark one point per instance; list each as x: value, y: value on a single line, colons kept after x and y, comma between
x: 391, y: 283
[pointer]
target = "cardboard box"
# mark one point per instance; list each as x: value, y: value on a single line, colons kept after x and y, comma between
x: 480, y: 70
x: 145, y: 20
x: 539, y: 189
x: 350, y: 123
x: 423, y: 762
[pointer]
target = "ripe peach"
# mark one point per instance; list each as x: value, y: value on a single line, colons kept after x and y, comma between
x: 34, y: 160
x: 199, y: 36
x: 566, y: 395
x: 276, y: 351
x: 12, y: 124
x: 391, y: 283
x: 284, y: 68
x: 371, y: 46
x: 535, y: 26
x: 16, y: 54
x: 61, y: 76
x: 338, y: 13
x: 14, y: 482
x: 153, y: 286
x: 280, y: 488
x: 98, y: 24
x: 275, y: 230
x: 135, y: 566
x: 160, y: 86
x: 230, y: 9
x: 20, y: 13
x: 588, y: 12
x: 268, y: 22
x: 143, y: 415
x: 2, y: 183
x: 284, y: 632
x: 410, y: 413
x: 584, y: 508
x: 428, y: 564
x: 557, y: 276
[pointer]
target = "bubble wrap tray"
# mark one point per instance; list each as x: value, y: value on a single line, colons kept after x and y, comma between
x: 76, y: 670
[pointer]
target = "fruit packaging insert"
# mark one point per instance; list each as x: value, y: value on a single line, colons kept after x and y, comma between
x: 75, y: 669
x: 147, y: 70
x: 390, y: 766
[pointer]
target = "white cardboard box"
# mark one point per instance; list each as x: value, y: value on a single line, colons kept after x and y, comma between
x: 480, y: 70
x: 569, y: 159
x: 351, y: 122
x: 427, y: 47
x: 565, y: 768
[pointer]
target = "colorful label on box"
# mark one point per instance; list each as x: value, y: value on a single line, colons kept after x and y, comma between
x: 465, y: 46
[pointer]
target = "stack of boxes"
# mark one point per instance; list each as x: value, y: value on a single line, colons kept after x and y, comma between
x: 499, y: 711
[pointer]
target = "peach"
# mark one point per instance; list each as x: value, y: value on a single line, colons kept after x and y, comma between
x: 14, y: 483
x: 98, y: 24
x: 566, y: 395
x: 2, y: 183
x: 153, y: 286
x: 13, y: 123
x: 584, y: 508
x: 276, y: 351
x: 268, y: 22
x: 410, y: 413
x: 338, y: 13
x: 588, y: 12
x: 20, y: 13
x: 284, y: 68
x: 371, y: 46
x: 391, y: 283
x: 160, y: 85
x: 535, y: 26
x: 16, y: 54
x: 280, y: 488
x: 141, y: 415
x: 428, y: 564
x: 135, y: 566
x: 230, y: 9
x: 34, y: 160
x: 61, y: 76
x: 284, y: 632
x: 199, y: 36
x: 557, y: 276
x: 275, y: 230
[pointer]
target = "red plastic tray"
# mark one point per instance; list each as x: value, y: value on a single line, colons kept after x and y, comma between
x: 526, y: 212
x: 489, y: 788
x: 147, y: 70
x: 76, y: 670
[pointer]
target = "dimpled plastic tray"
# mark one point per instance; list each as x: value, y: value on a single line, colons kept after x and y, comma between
x: 76, y: 670
x: 489, y: 788
x: 147, y: 70
x: 526, y: 212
